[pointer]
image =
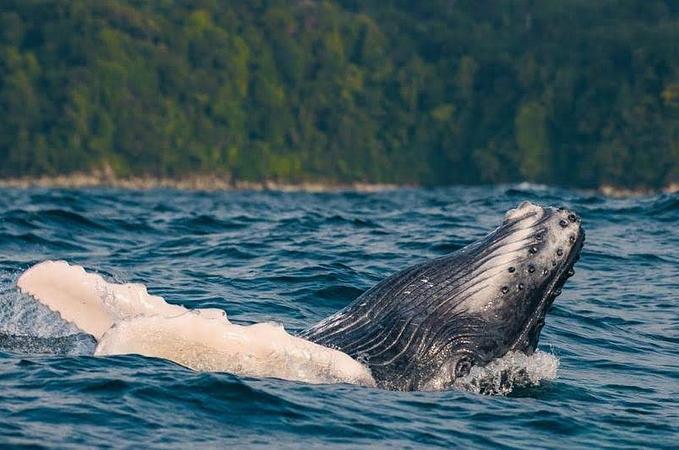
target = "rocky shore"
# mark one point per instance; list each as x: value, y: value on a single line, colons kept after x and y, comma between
x: 225, y: 183
x: 197, y: 182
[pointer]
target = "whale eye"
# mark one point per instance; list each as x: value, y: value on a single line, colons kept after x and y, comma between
x: 463, y: 367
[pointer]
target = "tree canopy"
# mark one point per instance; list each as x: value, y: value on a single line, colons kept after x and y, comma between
x: 574, y: 92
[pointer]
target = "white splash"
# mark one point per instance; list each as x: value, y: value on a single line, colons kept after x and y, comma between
x: 514, y: 370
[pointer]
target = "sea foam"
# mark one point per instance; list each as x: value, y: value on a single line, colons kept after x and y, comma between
x: 514, y: 370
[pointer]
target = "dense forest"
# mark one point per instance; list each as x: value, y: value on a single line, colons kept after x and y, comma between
x: 574, y: 92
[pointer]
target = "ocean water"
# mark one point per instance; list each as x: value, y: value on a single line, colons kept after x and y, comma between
x: 295, y: 258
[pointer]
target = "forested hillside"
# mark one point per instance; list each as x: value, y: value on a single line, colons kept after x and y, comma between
x: 575, y: 92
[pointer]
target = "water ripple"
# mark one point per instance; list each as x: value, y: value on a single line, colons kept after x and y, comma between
x: 297, y: 257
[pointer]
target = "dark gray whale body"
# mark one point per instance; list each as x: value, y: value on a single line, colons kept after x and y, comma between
x: 427, y: 325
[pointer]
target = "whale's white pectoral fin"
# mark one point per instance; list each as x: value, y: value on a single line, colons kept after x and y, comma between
x: 71, y: 292
x: 125, y: 318
x: 204, y: 341
x: 87, y: 300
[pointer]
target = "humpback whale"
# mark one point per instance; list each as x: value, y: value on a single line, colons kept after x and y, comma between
x: 419, y: 329
x: 429, y: 324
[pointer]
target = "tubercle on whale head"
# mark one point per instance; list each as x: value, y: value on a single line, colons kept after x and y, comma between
x: 559, y: 238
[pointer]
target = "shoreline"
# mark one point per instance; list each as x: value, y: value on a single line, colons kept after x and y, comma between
x: 217, y: 183
x: 197, y: 183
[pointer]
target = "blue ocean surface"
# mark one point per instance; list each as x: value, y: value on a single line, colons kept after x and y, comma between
x: 295, y: 258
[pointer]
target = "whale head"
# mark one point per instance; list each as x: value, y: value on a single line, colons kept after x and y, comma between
x: 513, y: 276
x: 428, y: 325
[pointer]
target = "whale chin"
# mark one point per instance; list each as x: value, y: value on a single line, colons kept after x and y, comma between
x: 428, y: 325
